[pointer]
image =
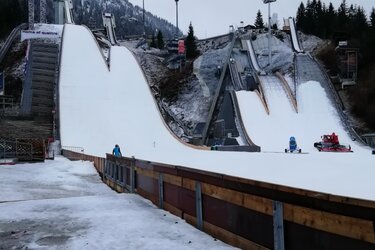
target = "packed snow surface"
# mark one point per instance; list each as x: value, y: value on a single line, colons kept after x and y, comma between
x: 293, y: 32
x: 101, y: 107
x: 64, y: 205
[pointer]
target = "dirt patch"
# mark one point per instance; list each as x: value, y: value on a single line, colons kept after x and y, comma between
x: 172, y: 84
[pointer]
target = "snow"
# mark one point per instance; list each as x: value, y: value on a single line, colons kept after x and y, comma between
x: 312, y: 120
x: 64, y: 205
x: 282, y: 55
x: 293, y: 32
x: 253, y: 56
x: 100, y: 108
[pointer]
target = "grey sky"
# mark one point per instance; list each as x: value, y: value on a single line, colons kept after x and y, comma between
x: 213, y: 17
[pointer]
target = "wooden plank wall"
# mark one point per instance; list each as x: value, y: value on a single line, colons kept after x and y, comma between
x: 240, y: 211
x: 99, y: 162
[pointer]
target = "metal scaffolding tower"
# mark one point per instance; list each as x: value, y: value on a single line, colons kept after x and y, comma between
x: 31, y: 14
x: 43, y: 15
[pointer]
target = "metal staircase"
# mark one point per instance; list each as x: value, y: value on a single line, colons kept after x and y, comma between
x: 38, y: 95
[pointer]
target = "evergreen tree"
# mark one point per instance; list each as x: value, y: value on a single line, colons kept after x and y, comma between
x: 309, y: 17
x: 160, y: 40
x: 259, y: 24
x: 372, y: 18
x: 153, y: 42
x: 330, y: 20
x: 190, y: 43
x: 300, y: 17
x: 360, y: 24
x: 342, y: 15
x: 319, y: 27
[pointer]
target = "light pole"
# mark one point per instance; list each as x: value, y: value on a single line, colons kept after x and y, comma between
x: 269, y: 28
x: 144, y: 27
x: 176, y: 18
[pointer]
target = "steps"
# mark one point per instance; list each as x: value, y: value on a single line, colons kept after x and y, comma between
x: 38, y: 101
x: 43, y: 65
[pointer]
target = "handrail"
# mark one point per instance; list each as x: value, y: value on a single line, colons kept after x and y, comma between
x: 56, y: 134
x: 214, y: 37
x: 10, y: 39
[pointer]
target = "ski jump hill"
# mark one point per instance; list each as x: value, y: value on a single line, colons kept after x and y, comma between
x: 328, y: 199
x: 101, y: 106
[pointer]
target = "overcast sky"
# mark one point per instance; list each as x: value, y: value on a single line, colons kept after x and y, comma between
x: 213, y: 17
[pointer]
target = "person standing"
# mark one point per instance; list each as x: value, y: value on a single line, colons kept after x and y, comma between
x: 117, y: 151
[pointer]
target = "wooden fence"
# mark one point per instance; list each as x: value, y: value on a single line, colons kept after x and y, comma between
x: 245, y: 213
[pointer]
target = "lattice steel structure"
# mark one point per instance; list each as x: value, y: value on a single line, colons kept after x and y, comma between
x: 43, y: 16
x: 31, y: 14
x: 43, y: 13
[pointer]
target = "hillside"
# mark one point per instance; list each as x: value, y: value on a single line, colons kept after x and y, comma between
x: 129, y: 18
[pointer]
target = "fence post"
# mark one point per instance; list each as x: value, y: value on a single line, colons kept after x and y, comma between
x: 278, y: 225
x: 132, y: 175
x: 198, y: 205
x: 124, y: 178
x: 161, y: 191
x: 105, y: 170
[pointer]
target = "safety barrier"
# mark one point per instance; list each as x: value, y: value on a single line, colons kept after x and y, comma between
x: 23, y: 149
x: 246, y: 213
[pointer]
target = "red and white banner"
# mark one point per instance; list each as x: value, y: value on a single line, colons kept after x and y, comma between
x: 181, y: 46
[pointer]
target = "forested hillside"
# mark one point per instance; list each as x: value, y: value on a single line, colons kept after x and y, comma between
x: 348, y: 23
x: 129, y: 18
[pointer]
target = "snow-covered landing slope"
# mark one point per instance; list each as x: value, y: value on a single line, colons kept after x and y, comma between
x: 316, y: 116
x: 99, y: 108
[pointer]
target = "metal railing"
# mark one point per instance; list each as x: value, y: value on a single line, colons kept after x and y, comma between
x: 10, y: 40
x: 23, y: 149
x: 7, y: 103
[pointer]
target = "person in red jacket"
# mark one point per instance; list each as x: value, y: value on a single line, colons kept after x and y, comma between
x: 335, y: 139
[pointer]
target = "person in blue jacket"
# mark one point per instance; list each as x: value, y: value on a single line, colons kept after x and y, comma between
x: 116, y: 151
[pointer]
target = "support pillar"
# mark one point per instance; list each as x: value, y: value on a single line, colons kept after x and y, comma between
x: 31, y: 8
x: 198, y: 205
x: 43, y: 15
x: 278, y: 225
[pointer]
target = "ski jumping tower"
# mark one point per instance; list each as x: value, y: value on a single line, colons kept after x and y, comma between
x: 42, y: 15
x: 63, y: 11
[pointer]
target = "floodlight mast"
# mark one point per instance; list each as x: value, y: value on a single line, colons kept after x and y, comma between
x: 269, y: 28
x: 144, y: 27
x: 176, y: 18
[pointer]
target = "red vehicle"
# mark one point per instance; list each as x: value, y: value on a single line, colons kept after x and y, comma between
x: 330, y: 143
